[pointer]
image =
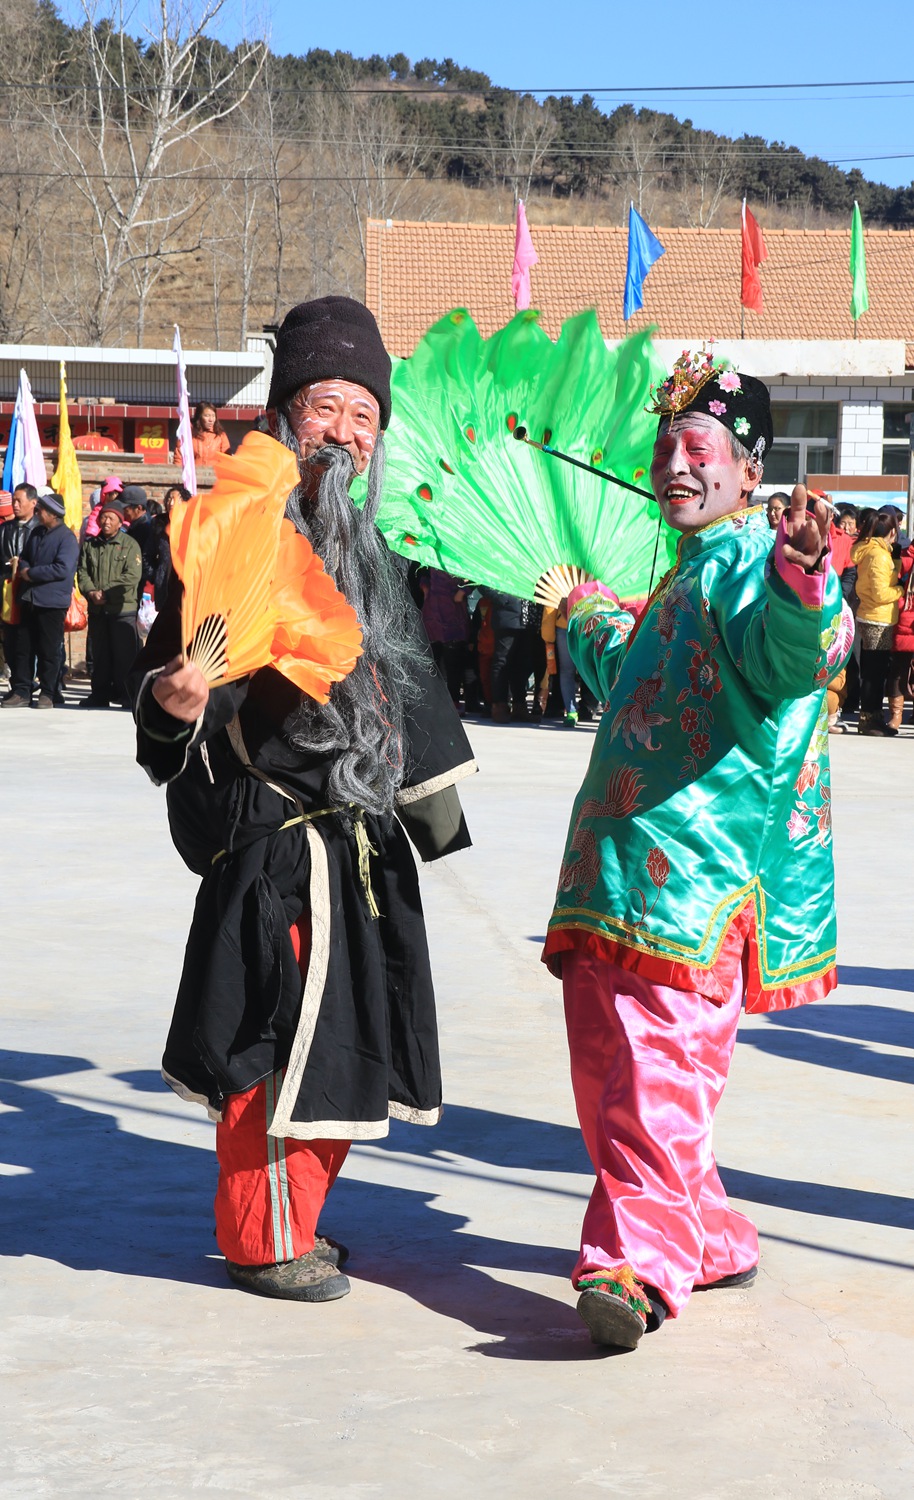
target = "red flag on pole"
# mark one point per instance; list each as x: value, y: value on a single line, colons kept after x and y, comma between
x: 754, y: 252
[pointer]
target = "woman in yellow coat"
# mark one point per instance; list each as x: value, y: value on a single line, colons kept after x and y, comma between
x: 878, y: 591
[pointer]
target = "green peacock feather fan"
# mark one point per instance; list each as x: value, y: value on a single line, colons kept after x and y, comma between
x: 462, y: 495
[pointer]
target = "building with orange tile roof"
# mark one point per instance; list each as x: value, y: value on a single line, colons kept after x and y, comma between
x: 840, y: 402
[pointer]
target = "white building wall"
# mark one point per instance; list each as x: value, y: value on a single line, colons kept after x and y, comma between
x: 860, y: 437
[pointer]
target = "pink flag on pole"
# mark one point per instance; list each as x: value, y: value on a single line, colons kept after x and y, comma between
x: 524, y: 257
x: 185, y: 432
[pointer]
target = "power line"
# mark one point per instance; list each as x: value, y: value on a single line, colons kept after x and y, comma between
x: 457, y: 90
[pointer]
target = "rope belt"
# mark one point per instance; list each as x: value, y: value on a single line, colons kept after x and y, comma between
x: 363, y: 844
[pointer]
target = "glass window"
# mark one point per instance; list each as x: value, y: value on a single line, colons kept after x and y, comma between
x: 819, y: 460
x: 805, y: 419
x: 896, y: 435
x: 893, y: 421
x: 895, y: 458
x: 782, y: 465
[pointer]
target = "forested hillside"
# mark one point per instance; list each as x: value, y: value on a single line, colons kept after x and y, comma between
x: 143, y: 182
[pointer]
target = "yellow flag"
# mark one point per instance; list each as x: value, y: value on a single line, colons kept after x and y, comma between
x: 66, y: 478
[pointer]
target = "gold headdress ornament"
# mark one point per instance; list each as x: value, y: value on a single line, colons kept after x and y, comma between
x: 690, y: 374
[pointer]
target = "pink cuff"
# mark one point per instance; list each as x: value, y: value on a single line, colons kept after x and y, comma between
x: 808, y: 587
x: 583, y: 590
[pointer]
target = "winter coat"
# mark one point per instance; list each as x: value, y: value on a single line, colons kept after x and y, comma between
x: 878, y: 589
x: 147, y: 540
x: 13, y: 537
x: 114, y: 566
x: 841, y: 544
x: 51, y: 557
x: 904, y: 630
x: 206, y: 446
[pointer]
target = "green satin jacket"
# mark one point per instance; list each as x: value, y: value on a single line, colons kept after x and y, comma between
x: 703, y: 828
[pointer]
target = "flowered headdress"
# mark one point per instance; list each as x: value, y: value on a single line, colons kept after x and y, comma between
x: 701, y: 383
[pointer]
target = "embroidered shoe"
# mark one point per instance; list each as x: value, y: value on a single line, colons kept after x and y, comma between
x: 308, y: 1278
x: 614, y: 1306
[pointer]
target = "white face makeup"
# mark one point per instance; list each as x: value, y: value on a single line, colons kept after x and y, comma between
x: 694, y: 475
x: 336, y: 411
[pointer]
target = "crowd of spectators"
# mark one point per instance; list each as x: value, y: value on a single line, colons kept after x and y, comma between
x: 501, y: 656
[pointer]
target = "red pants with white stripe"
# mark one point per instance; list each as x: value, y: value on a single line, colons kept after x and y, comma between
x: 648, y: 1067
x: 270, y: 1191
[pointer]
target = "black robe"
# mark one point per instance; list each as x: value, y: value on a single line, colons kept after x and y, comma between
x: 361, y: 1044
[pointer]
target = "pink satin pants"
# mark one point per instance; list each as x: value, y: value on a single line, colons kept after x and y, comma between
x: 648, y: 1066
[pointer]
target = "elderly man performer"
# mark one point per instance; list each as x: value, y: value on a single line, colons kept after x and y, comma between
x: 698, y: 870
x: 305, y: 1017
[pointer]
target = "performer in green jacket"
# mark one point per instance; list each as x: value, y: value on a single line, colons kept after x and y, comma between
x: 698, y: 870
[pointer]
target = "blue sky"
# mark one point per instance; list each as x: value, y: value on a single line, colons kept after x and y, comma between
x: 583, y: 44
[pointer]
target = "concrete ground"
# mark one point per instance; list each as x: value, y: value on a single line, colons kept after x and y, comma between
x: 458, y: 1365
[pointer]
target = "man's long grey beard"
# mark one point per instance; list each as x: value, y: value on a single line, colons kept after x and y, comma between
x: 363, y: 725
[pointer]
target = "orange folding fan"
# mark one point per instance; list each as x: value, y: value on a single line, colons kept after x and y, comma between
x: 254, y: 592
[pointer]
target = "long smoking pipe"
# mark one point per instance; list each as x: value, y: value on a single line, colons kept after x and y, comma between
x: 521, y: 434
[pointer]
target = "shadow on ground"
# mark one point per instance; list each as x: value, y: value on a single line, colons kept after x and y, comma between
x: 93, y: 1196
x: 840, y: 1037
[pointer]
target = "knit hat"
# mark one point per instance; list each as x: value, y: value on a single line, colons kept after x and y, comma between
x: 6, y: 505
x: 699, y: 383
x: 115, y: 503
x: 331, y: 338
x: 53, y: 503
x: 133, y: 494
x: 112, y: 486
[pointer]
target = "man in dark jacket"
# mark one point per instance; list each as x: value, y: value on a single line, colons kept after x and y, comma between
x: 13, y: 536
x: 140, y: 527
x: 305, y: 1017
x: 110, y: 570
x: 46, y: 568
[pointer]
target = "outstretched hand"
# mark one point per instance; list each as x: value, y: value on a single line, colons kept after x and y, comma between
x: 182, y: 691
x: 806, y: 531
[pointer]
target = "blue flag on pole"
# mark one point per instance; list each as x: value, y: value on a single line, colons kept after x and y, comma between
x: 643, y: 249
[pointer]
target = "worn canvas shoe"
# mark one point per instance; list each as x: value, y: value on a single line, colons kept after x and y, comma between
x: 44, y: 701
x: 615, y: 1307
x: 15, y: 700
x: 308, y: 1278
x: 330, y: 1250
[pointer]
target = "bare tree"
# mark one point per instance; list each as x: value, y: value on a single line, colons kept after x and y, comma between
x: 116, y: 130
x: 518, y: 150
x: 707, y: 170
x: 378, y: 157
x: 639, y: 159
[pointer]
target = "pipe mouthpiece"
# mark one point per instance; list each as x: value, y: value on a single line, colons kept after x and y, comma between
x: 521, y: 434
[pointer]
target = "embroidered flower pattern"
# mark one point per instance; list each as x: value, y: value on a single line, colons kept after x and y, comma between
x: 719, y: 408
x: 688, y: 720
x: 704, y: 675
x: 797, y: 823
x: 741, y: 427
x: 728, y: 380
x: 658, y: 868
x: 699, y: 745
x: 809, y: 775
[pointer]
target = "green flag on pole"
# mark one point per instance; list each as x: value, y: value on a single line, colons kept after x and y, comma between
x: 860, y: 300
